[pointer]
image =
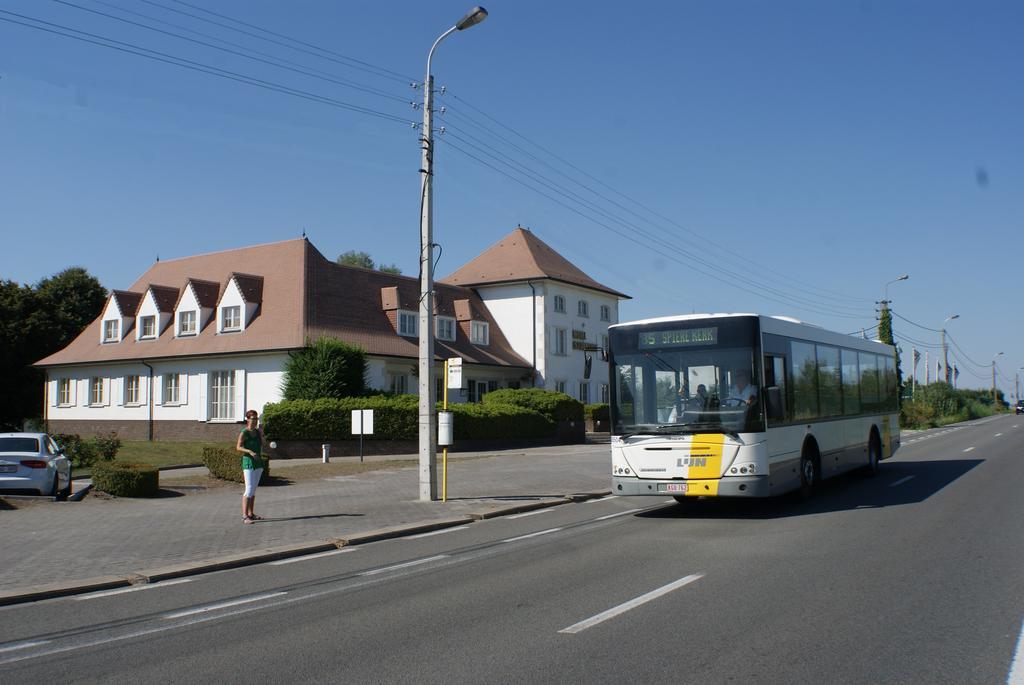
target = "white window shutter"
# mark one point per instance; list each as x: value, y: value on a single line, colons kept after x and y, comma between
x: 117, y: 386
x: 54, y: 393
x: 108, y: 389
x: 204, y: 407
x: 144, y: 390
x: 73, y: 391
x: 158, y: 388
x: 183, y: 388
x: 240, y: 395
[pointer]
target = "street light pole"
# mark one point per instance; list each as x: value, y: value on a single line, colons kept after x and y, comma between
x: 945, y: 352
x: 994, y: 379
x: 427, y: 429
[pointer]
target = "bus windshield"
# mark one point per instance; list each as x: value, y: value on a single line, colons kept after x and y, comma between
x: 666, y: 391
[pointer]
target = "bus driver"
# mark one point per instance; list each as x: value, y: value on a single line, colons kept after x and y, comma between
x: 741, y: 388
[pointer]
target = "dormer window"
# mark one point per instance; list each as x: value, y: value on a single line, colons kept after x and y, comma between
x: 559, y: 303
x: 147, y: 327
x: 479, y: 333
x: 445, y: 328
x: 110, y: 330
x: 231, y: 318
x: 407, y: 324
x: 187, y: 323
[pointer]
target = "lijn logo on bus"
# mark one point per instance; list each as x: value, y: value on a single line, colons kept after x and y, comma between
x: 692, y: 461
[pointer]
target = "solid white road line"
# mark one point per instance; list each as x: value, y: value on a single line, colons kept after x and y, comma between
x: 133, y: 588
x: 1016, y: 675
x: 22, y: 645
x: 307, y: 557
x: 222, y: 605
x: 631, y: 604
x: 968, y: 449
x: 901, y: 481
x: 998, y: 435
x: 530, y: 513
x: 533, y: 535
x: 608, y: 497
x: 436, y: 532
x: 619, y: 513
x: 407, y: 564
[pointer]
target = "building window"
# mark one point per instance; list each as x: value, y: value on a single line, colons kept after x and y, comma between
x: 558, y: 341
x: 477, y: 389
x: 398, y: 383
x: 222, y: 395
x: 583, y: 308
x: 110, y: 330
x: 147, y: 327
x: 479, y: 333
x: 64, y: 392
x: 231, y: 318
x: 606, y: 313
x: 445, y: 328
x: 559, y: 386
x: 96, y: 391
x: 172, y: 385
x: 407, y: 324
x: 604, y: 343
x: 584, y: 393
x: 131, y: 390
x: 187, y: 323
x: 604, y: 393
x: 559, y: 304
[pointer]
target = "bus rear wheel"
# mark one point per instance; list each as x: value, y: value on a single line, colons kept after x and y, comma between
x: 874, y: 454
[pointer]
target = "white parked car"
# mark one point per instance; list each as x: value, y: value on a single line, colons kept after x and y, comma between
x: 33, y: 463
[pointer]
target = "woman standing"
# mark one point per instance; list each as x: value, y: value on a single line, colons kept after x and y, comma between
x: 250, y: 444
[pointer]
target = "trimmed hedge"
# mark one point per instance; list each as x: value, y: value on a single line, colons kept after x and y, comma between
x: 498, y: 421
x: 556, y: 406
x: 227, y: 464
x: 597, y: 412
x: 126, y: 480
x: 395, y: 417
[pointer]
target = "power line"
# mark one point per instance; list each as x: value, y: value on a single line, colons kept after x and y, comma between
x: 157, y: 56
x: 275, y: 62
x: 330, y: 55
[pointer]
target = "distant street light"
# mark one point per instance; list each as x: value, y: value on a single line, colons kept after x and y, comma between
x: 427, y: 429
x: 994, y: 378
x: 885, y: 300
x: 945, y: 352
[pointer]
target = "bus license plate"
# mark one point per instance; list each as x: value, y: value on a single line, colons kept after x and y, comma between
x: 675, y: 487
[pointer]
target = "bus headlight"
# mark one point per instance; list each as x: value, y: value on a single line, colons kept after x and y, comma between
x: 743, y: 470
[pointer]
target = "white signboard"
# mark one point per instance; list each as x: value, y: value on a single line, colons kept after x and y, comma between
x: 362, y: 422
x: 455, y: 372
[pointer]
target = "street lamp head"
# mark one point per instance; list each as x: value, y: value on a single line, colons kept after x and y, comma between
x: 954, y: 316
x: 903, y: 277
x: 474, y: 17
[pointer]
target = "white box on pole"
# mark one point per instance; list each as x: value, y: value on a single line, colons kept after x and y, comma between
x: 445, y: 429
x: 454, y: 372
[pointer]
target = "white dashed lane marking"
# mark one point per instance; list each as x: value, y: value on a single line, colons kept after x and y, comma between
x: 968, y: 449
x: 631, y: 604
x: 901, y: 481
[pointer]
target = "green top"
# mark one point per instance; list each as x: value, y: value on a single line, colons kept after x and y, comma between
x: 252, y: 440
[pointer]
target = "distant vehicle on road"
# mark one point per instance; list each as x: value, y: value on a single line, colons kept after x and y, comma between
x: 1020, y: 406
x: 745, y: 405
x: 32, y: 463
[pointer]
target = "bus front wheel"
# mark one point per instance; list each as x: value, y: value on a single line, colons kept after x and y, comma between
x: 808, y: 474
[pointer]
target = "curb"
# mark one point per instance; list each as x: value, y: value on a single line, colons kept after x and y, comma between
x: 250, y: 558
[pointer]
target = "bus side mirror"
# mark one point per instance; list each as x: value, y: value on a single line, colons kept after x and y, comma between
x: 773, y: 395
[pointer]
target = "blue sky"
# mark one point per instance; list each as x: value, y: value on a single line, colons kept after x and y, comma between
x: 787, y: 158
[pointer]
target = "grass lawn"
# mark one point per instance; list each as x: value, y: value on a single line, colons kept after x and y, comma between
x: 161, y: 454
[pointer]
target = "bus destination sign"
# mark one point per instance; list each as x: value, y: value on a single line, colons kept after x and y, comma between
x: 684, y: 337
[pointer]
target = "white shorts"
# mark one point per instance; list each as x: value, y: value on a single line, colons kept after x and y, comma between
x: 252, y: 479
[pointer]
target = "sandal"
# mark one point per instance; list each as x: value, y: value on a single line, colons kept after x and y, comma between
x: 257, y: 517
x: 247, y: 519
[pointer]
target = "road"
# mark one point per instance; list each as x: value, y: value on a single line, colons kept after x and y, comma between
x: 914, y: 576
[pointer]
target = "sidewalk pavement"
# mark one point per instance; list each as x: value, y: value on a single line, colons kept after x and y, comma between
x: 100, y: 543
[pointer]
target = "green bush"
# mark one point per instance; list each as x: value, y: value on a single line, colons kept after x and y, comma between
x: 107, y: 445
x: 126, y: 480
x: 82, y: 453
x: 227, y: 464
x: 597, y: 412
x: 325, y: 368
x: 395, y: 417
x: 498, y: 421
x: 556, y: 406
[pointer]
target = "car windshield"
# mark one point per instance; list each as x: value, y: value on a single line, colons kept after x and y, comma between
x: 19, y: 445
x: 687, y: 391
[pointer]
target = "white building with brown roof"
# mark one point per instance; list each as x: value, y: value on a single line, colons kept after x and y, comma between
x: 197, y: 341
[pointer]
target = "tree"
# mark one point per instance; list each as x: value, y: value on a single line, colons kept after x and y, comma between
x: 885, y: 335
x: 364, y: 261
x: 35, y: 323
x: 325, y: 368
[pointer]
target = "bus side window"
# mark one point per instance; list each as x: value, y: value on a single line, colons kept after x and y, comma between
x: 775, y: 388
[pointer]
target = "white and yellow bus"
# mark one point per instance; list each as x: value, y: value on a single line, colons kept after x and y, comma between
x: 745, y: 405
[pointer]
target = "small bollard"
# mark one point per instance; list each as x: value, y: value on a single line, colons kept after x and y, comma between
x: 327, y: 453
